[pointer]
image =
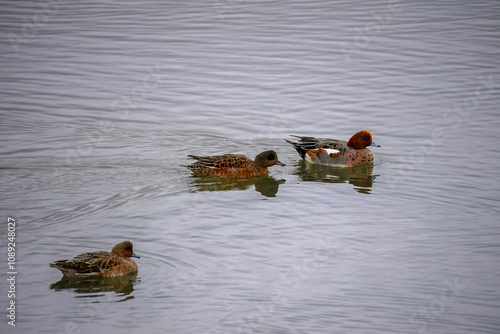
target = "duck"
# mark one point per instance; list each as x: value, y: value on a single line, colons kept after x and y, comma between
x: 334, y: 152
x: 234, y: 165
x: 118, y: 262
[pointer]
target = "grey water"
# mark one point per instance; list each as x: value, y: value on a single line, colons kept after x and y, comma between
x: 101, y: 102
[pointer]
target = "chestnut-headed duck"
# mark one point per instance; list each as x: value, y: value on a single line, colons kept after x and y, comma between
x: 234, y: 165
x: 325, y: 151
x: 100, y: 263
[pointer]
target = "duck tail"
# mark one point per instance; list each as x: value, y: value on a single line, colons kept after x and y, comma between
x: 300, y: 150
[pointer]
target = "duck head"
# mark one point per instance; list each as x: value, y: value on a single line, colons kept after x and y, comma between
x: 361, y: 139
x: 124, y: 249
x: 267, y: 159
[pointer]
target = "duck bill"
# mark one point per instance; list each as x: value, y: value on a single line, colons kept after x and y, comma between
x: 279, y: 163
x: 133, y: 255
x: 373, y: 144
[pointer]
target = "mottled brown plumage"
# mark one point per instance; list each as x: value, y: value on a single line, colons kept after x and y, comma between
x: 234, y: 165
x: 100, y: 263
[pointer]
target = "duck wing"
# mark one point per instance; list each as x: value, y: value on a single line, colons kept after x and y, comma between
x: 311, y: 143
x: 88, y: 263
x: 222, y: 161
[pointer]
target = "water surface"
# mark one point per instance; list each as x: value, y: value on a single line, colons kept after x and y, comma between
x: 102, y: 103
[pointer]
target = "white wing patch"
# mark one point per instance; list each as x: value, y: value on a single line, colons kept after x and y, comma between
x: 323, y: 157
x: 331, y: 150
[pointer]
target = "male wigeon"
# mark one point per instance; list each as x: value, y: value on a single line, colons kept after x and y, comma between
x: 335, y: 152
x: 101, y: 263
x: 234, y: 165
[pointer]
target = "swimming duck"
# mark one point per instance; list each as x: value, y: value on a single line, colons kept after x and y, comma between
x: 335, y: 152
x: 100, y: 263
x: 234, y: 165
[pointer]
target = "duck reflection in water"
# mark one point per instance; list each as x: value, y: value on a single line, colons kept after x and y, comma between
x: 359, y: 176
x: 122, y: 284
x: 266, y: 185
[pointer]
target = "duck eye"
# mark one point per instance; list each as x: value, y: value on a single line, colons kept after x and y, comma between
x: 271, y: 156
x: 367, y: 138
